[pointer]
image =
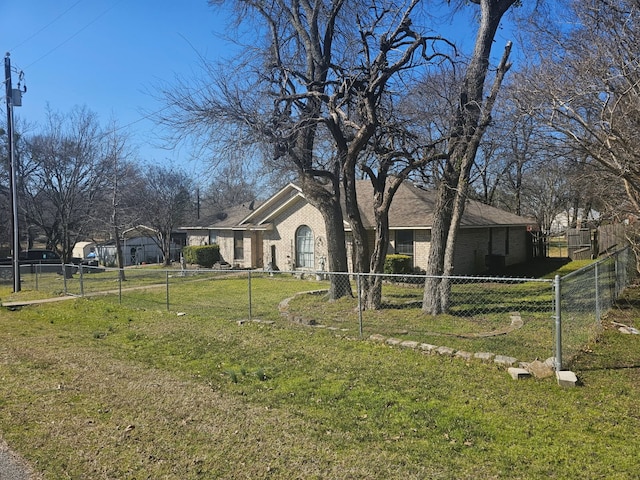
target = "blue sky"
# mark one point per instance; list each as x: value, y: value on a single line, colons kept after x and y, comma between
x: 107, y: 55
x: 110, y: 54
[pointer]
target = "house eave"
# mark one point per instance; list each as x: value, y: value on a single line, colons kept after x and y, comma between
x: 263, y: 227
x: 207, y: 227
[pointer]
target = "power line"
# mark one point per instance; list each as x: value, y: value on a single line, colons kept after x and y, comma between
x: 75, y: 34
x: 78, y: 32
x: 45, y: 27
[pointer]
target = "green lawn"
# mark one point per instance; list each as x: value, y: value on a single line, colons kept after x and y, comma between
x: 95, y: 389
x: 477, y: 307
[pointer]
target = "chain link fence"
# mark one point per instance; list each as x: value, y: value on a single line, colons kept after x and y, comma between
x: 37, y: 276
x: 522, y: 318
x: 584, y: 296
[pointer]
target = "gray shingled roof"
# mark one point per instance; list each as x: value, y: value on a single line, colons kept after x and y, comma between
x: 226, y: 219
x: 413, y: 207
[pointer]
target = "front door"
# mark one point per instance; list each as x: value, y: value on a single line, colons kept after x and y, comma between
x: 257, y: 255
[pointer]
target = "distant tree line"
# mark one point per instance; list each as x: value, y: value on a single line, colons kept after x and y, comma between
x: 79, y: 180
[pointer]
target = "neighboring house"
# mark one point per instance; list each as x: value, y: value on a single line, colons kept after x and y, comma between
x: 584, y: 219
x: 286, y: 232
x: 139, y: 246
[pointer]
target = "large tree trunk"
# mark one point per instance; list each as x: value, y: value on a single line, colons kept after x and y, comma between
x: 339, y: 285
x: 471, y: 120
x: 373, y: 259
x: 373, y: 291
x: 431, y: 301
x: 384, y: 191
x: 360, y: 257
x: 328, y: 203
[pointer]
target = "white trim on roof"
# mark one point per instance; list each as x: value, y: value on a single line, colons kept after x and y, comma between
x: 274, y: 200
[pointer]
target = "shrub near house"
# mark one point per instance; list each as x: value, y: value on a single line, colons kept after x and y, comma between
x: 205, y: 255
x: 398, y: 264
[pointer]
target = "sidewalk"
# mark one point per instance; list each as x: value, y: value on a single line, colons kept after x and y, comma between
x: 22, y: 303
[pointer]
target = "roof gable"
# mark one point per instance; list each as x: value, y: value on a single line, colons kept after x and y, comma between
x: 287, y: 196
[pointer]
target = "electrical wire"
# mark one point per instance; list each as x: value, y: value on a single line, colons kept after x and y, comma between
x: 78, y: 32
x: 45, y: 27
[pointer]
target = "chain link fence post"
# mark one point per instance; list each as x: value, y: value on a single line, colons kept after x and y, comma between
x: 81, y: 280
x: 359, y: 293
x: 167, y: 280
x: 596, y: 274
x: 249, y: 285
x: 616, y: 273
x: 556, y: 286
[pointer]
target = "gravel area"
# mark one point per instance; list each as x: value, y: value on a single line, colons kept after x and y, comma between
x: 12, y: 467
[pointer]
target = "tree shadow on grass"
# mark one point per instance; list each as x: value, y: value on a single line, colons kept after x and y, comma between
x: 536, y: 268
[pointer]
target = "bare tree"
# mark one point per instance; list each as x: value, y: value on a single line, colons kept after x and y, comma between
x: 273, y: 95
x: 370, y: 134
x: 231, y: 185
x: 592, y: 95
x: 63, y: 174
x: 317, y: 90
x: 509, y: 149
x: 585, y: 84
x: 166, y: 202
x: 121, y: 202
x: 471, y: 120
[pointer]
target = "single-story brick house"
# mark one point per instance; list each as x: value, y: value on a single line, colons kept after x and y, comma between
x: 288, y: 233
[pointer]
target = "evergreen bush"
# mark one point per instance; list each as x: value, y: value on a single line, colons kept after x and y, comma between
x: 205, y: 255
x: 396, y: 263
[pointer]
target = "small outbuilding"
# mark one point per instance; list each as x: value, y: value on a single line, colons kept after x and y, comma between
x: 139, y: 245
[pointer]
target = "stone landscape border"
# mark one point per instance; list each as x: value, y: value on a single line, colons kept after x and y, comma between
x: 518, y: 370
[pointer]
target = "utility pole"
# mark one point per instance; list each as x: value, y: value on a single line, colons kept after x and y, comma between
x: 12, y: 96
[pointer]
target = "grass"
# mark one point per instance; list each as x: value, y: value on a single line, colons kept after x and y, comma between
x: 477, y: 309
x: 94, y: 389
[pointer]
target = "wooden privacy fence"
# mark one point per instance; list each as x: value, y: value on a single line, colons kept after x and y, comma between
x: 585, y: 243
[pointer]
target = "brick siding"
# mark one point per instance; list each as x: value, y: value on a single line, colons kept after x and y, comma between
x: 471, y: 249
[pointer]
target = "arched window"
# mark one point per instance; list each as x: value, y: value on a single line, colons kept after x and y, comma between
x: 304, y: 247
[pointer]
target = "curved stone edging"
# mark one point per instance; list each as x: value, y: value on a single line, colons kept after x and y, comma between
x: 516, y: 323
x: 283, y: 307
x: 537, y: 368
x: 516, y: 320
x: 485, y: 357
x: 429, y: 349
